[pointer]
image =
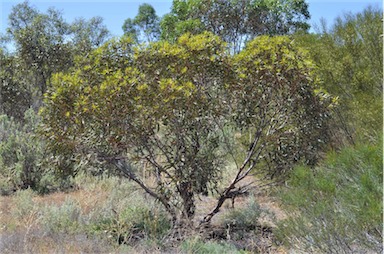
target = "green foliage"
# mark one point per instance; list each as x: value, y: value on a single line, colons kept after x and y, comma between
x: 39, y: 39
x: 235, y: 21
x: 346, y: 59
x: 180, y: 21
x: 64, y: 218
x: 45, y: 44
x: 144, y: 25
x: 167, y: 104
x: 197, y: 246
x: 131, y: 224
x: 118, y: 214
x: 22, y: 156
x: 245, y: 217
x: 130, y: 29
x: 159, y: 106
x: 278, y: 96
x: 16, y: 95
x: 337, y: 208
x: 24, y: 204
x: 123, y: 218
x: 87, y: 35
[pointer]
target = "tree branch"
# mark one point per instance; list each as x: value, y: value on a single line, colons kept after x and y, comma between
x: 127, y: 170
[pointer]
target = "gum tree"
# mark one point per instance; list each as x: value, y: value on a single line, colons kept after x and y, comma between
x: 44, y: 43
x: 170, y: 106
x: 162, y: 110
x: 235, y: 21
x: 145, y: 26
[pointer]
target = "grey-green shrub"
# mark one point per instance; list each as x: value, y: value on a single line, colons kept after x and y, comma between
x: 126, y: 215
x: 338, y: 207
x: 244, y: 217
x: 197, y: 246
x: 64, y: 218
x: 23, y: 203
x: 21, y: 156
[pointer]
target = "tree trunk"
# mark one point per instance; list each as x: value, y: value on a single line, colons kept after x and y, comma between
x: 187, y: 196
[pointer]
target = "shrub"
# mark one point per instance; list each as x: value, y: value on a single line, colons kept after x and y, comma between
x: 197, y: 246
x: 22, y: 156
x: 245, y: 217
x: 338, y: 208
x: 345, y: 57
x: 126, y: 218
x: 65, y: 218
x: 168, y: 108
x: 24, y: 205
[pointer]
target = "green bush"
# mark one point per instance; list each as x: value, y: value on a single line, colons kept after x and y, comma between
x: 197, y: 246
x: 65, y: 218
x: 345, y: 56
x: 338, y: 207
x: 126, y: 215
x: 22, y: 156
x: 245, y: 217
x: 23, y: 204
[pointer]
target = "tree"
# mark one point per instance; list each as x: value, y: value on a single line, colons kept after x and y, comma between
x: 280, y: 111
x: 40, y: 42
x: 169, y: 104
x: 235, y: 21
x: 16, y: 94
x: 179, y: 21
x: 45, y: 44
x: 130, y: 29
x: 144, y: 25
x: 88, y: 34
x: 345, y: 57
x: 158, y: 111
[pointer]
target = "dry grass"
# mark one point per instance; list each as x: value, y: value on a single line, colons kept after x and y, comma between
x: 22, y: 223
x: 24, y: 228
x: 37, y: 241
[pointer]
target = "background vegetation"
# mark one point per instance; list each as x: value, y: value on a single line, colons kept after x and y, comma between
x: 207, y: 130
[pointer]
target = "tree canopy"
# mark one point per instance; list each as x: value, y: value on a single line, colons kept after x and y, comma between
x: 44, y: 44
x: 145, y: 25
x: 235, y: 21
x: 215, y: 98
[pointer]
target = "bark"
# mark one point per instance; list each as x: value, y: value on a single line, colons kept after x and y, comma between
x: 187, y: 195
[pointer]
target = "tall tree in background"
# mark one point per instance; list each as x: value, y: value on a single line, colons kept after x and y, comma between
x: 88, y: 34
x: 16, y: 93
x: 44, y: 44
x: 130, y: 29
x: 235, y: 21
x: 40, y: 42
x: 145, y: 26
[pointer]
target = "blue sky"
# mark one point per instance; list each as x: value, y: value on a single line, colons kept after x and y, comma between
x: 114, y: 12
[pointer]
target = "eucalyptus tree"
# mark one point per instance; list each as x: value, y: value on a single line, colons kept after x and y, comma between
x: 171, y: 106
x: 40, y: 41
x: 235, y: 21
x: 88, y: 34
x: 44, y: 44
x: 16, y: 93
x: 145, y: 25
